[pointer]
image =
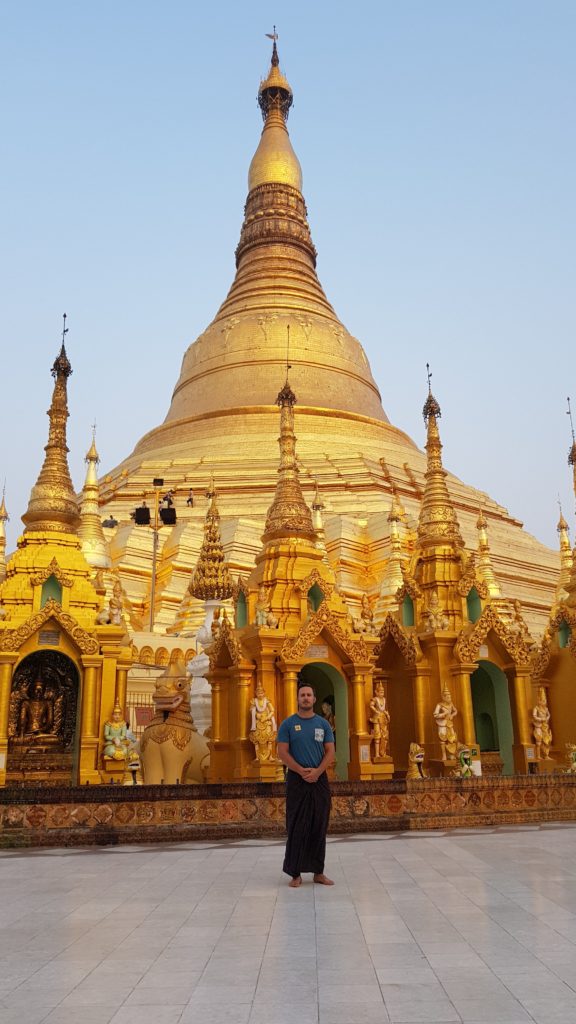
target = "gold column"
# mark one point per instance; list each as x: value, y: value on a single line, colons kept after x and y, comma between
x: 242, y: 743
x: 6, y: 666
x: 290, y: 689
x: 420, y: 680
x: 121, y: 685
x: 89, y: 720
x: 461, y: 675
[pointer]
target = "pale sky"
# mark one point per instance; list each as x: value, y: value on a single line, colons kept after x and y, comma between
x: 439, y: 158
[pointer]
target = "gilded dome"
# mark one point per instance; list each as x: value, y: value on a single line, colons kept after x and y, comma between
x: 275, y: 161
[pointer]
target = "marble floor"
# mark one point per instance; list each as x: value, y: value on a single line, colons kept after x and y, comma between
x: 421, y: 927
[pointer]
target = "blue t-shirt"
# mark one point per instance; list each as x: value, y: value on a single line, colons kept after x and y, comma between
x: 306, y: 738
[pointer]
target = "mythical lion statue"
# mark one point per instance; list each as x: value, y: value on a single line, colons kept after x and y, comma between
x: 171, y: 749
x: 416, y: 762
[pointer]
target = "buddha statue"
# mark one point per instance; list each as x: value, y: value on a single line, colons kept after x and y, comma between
x: 37, y: 718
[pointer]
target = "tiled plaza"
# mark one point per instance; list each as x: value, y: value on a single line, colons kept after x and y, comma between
x: 435, y: 927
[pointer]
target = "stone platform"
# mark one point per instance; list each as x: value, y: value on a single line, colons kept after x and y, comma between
x: 104, y: 815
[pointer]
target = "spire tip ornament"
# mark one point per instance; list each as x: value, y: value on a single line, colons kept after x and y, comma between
x: 431, y: 406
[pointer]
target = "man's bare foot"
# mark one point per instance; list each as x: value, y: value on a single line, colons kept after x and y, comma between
x: 323, y: 880
x: 295, y: 883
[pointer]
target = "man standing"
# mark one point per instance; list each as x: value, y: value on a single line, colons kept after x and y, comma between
x: 306, y: 747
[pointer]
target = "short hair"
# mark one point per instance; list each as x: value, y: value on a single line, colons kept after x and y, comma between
x: 309, y: 686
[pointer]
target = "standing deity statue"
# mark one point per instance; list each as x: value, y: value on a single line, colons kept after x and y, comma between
x: 116, y: 742
x: 262, y: 606
x: 262, y: 726
x: 328, y: 712
x: 444, y: 715
x: 380, y: 720
x: 541, y: 726
x: 116, y: 605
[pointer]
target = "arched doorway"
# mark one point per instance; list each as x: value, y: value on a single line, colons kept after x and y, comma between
x: 492, y: 712
x: 331, y: 687
x: 43, y: 720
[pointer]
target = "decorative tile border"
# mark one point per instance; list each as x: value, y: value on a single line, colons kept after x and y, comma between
x: 101, y: 815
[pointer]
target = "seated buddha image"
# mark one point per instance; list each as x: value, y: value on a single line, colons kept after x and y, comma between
x: 38, y: 715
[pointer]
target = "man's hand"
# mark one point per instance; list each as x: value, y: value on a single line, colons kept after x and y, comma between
x: 310, y: 774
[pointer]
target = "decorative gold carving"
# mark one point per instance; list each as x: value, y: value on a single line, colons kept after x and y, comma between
x: 541, y: 726
x: 406, y: 644
x: 517, y: 644
x: 53, y: 569
x: 408, y: 589
x: 380, y: 721
x: 211, y: 579
x: 324, y: 619
x: 225, y: 650
x: 471, y: 579
x: 437, y: 524
x: 316, y: 577
x: 434, y: 616
x: 13, y: 639
x: 416, y: 763
x: 288, y: 514
x: 544, y: 653
x: 262, y: 726
x: 444, y: 714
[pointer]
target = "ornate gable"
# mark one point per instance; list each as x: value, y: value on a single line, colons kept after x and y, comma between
x: 324, y: 620
x: 407, y: 645
x: 517, y: 644
x: 13, y: 639
x: 544, y: 653
x: 470, y: 578
x: 225, y: 647
x: 316, y: 577
x: 51, y: 570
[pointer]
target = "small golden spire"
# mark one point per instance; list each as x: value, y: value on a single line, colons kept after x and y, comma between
x: 484, y: 561
x: 4, y: 518
x: 572, y: 452
x: 393, y: 577
x: 288, y: 515
x: 437, y: 524
x: 90, y: 529
x: 211, y: 579
x: 274, y: 160
x: 52, y: 505
x: 566, y: 558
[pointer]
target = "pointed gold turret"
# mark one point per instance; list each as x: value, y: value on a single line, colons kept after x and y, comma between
x: 484, y: 562
x: 565, y: 557
x: 4, y: 518
x: 288, y: 515
x: 572, y: 451
x: 275, y: 160
x: 437, y: 524
x: 211, y: 579
x: 393, y: 576
x: 90, y: 530
x: 52, y: 504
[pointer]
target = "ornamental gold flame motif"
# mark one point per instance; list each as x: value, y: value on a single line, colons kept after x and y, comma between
x: 211, y: 579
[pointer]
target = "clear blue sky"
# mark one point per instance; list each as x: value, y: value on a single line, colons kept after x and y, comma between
x: 438, y: 149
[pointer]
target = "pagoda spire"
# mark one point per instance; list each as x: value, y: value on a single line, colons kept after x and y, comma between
x: 4, y: 518
x: 484, y: 563
x: 437, y: 525
x: 572, y: 451
x: 52, y: 505
x: 211, y: 579
x: 288, y: 515
x: 393, y: 576
x: 566, y: 558
x: 90, y: 529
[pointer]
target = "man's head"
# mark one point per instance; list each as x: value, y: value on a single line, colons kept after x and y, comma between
x: 306, y: 697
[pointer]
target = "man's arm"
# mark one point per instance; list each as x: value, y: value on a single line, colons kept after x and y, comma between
x: 287, y: 759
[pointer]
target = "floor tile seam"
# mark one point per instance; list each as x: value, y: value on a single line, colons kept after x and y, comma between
x: 374, y: 971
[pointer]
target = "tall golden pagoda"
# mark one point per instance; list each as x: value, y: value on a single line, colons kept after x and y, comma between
x: 221, y: 420
x: 61, y: 667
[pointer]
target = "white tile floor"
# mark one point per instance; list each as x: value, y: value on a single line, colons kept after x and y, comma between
x: 475, y: 927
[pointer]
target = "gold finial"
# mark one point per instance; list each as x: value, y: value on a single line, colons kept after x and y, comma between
x: 52, y: 504
x: 274, y: 161
x: 484, y: 561
x: 288, y: 515
x: 94, y: 544
x: 562, y: 524
x: 437, y: 524
x: 4, y: 517
x: 572, y: 452
x: 211, y: 579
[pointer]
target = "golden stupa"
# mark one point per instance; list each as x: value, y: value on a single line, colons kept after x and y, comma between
x: 222, y: 421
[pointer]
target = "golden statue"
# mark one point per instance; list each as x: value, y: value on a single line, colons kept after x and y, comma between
x: 541, y: 726
x: 380, y: 719
x: 116, y: 605
x: 116, y: 742
x: 328, y: 713
x: 570, y: 759
x: 37, y: 713
x: 263, y: 726
x: 416, y: 762
x: 262, y: 606
x: 365, y: 622
x: 444, y: 715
